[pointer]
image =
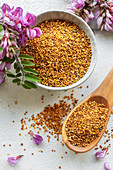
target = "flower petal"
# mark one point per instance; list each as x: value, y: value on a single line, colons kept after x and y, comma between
x: 12, y: 160
x: 108, y: 21
x: 8, y: 66
x: 29, y: 19
x: 1, y: 79
x: 99, y: 21
x: 18, y: 12
x: 2, y: 65
x: 5, y: 8
x: 37, y: 139
x: 108, y: 14
x: 91, y: 16
x: 38, y: 32
x: 100, y: 154
x: 106, y: 166
x: 2, y: 55
x: 107, y: 27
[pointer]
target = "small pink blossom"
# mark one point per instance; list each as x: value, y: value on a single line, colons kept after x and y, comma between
x: 5, y: 9
x: 101, y: 154
x: 37, y: 139
x: 38, y: 32
x: 29, y: 19
x: 106, y: 166
x: 13, y: 160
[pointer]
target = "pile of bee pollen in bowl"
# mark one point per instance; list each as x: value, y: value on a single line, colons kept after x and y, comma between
x: 62, y: 54
x: 85, y: 123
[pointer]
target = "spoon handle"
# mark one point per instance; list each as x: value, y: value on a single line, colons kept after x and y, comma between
x: 106, y: 88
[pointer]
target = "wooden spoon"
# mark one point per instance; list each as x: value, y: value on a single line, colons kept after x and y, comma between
x: 103, y: 94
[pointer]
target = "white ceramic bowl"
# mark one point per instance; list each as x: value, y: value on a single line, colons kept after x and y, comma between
x: 62, y: 15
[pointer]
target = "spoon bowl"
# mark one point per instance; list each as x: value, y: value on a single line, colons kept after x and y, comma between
x: 102, y: 95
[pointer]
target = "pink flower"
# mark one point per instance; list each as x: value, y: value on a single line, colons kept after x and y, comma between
x: 4, y: 64
x: 37, y: 139
x: 106, y: 166
x: 107, y: 27
x: 17, y: 12
x: 38, y: 32
x: 99, y: 21
x: 35, y: 32
x: 76, y: 4
x: 31, y: 33
x: 29, y: 19
x: 13, y: 160
x: 104, y: 15
x: 101, y: 154
x: 5, y: 9
x: 22, y: 39
x: 2, y: 55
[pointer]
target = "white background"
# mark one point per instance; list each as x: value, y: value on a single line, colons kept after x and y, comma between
x: 30, y: 100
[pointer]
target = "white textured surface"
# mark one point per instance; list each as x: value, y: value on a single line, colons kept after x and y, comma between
x: 30, y: 101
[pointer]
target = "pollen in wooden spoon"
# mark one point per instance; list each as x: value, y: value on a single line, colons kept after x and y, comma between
x: 85, y: 123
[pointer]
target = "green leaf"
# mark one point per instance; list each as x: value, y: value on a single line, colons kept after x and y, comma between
x: 32, y: 77
x: 18, y: 75
x: 27, y: 63
x: 30, y: 84
x: 25, y: 56
x: 15, y: 65
x: 16, y: 80
x: 8, y: 60
x: 1, y: 37
x: 1, y: 48
x: 30, y: 70
x: 10, y: 75
x: 26, y: 87
x: 1, y: 28
x: 17, y: 69
x: 18, y: 84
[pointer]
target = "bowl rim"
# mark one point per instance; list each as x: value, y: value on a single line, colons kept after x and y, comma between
x: 93, y: 57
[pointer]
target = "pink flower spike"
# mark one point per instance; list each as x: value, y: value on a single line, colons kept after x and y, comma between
x: 37, y: 139
x: 101, y: 154
x: 13, y: 160
x: 38, y: 32
x: 106, y: 166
